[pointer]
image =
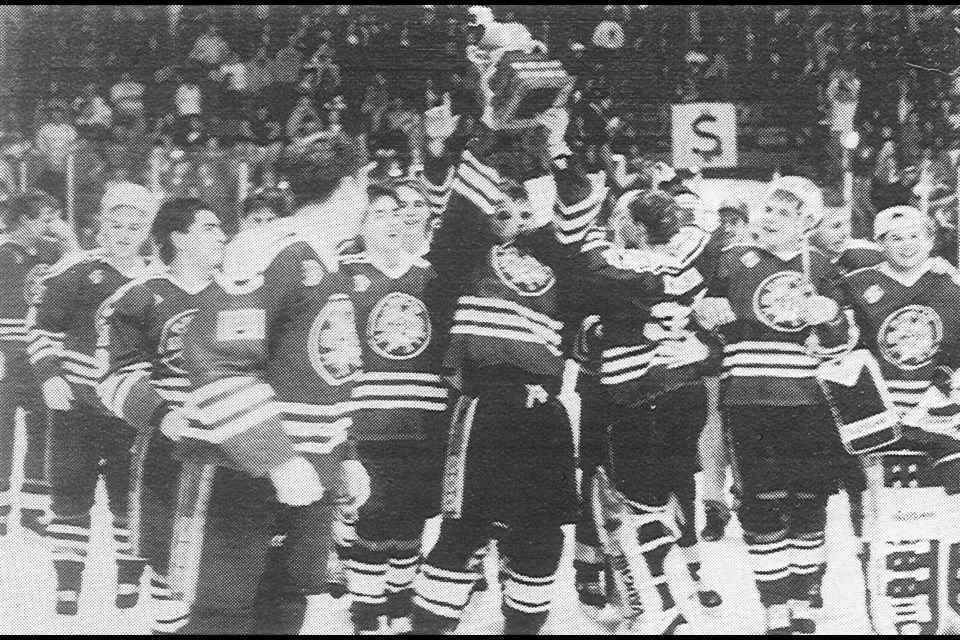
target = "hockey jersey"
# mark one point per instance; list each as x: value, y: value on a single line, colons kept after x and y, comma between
x: 65, y: 324
x: 766, y: 358
x: 21, y: 270
x: 146, y: 319
x: 273, y: 352
x: 911, y: 326
x: 400, y: 379
x: 650, y: 344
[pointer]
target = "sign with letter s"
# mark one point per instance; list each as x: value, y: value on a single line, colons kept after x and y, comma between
x: 704, y: 135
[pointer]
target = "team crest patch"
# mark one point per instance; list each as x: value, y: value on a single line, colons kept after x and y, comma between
x: 313, y: 273
x: 524, y: 274
x: 96, y: 276
x: 171, y: 341
x: 910, y: 337
x: 873, y: 294
x: 333, y: 345
x: 399, y: 327
x: 33, y: 285
x: 777, y: 301
x: 750, y: 260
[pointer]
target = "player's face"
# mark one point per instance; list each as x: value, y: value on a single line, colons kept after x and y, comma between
x: 258, y: 218
x: 779, y: 223
x: 834, y: 233
x: 734, y: 230
x: 42, y: 225
x: 124, y: 231
x: 511, y: 219
x: 413, y: 207
x: 907, y: 247
x: 383, y: 226
x: 204, y: 241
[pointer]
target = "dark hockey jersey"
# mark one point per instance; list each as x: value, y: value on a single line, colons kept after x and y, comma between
x: 146, y: 320
x: 910, y: 326
x: 272, y: 352
x: 64, y: 326
x: 400, y: 379
x: 21, y: 269
x: 857, y: 254
x: 507, y: 320
x: 766, y: 359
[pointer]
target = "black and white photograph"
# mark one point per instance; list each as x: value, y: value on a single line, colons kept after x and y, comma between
x: 479, y: 319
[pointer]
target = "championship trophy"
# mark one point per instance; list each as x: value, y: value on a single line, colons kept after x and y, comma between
x: 515, y: 78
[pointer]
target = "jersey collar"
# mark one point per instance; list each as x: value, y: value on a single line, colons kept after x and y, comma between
x: 398, y: 272
x: 905, y: 280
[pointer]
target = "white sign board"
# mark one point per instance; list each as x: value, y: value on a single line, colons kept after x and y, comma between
x: 704, y: 135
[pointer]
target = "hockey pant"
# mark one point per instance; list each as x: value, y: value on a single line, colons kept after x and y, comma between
x: 509, y: 474
x: 912, y: 505
x: 651, y: 455
x: 789, y: 465
x: 86, y: 444
x: 240, y: 562
x: 18, y: 390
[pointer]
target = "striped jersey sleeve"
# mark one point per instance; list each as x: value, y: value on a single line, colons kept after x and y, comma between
x: 233, y: 406
x: 127, y: 390
x: 48, y: 321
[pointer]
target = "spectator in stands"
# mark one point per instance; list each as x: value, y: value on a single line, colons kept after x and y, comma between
x: 259, y: 71
x: 287, y: 64
x: 210, y: 49
x: 127, y: 95
x: 691, y: 85
x: 94, y: 114
x: 842, y: 95
x: 305, y: 119
x: 55, y: 139
x: 188, y: 98
x: 376, y: 101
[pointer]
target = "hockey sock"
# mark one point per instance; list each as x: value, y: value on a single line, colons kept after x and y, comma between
x: 477, y: 564
x: 520, y: 623
x: 4, y: 511
x: 70, y: 538
x: 129, y: 567
x: 808, y: 560
x: 169, y: 615
x: 401, y: 572
x: 367, y: 583
x: 768, y: 546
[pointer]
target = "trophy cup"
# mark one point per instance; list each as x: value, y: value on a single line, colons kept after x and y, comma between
x: 515, y: 77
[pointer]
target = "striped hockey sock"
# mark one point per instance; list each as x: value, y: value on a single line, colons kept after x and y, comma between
x: 70, y: 539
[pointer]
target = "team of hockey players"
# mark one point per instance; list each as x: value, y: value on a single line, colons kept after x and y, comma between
x: 269, y: 412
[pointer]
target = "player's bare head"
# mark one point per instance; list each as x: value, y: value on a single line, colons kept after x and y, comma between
x: 189, y: 228
x: 513, y: 213
x: 734, y: 217
x: 906, y: 234
x: 262, y: 208
x: 834, y: 230
x: 648, y: 217
x: 321, y: 165
x: 382, y: 221
x: 412, y: 198
x: 791, y: 207
x: 33, y: 214
x: 126, y: 214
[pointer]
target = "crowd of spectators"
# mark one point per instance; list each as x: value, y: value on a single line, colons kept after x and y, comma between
x: 118, y: 82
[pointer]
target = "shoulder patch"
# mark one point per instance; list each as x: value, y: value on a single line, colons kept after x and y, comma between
x: 523, y: 273
x: 750, y: 259
x: 873, y: 294
x: 313, y: 273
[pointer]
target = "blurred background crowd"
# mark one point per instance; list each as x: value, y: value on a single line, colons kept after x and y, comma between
x: 180, y: 97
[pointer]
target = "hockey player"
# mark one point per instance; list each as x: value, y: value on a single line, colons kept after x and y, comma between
x: 35, y: 239
x: 146, y: 383
x: 651, y: 364
x: 272, y: 354
x: 833, y: 238
x: 86, y: 440
x: 510, y: 455
x: 908, y: 309
x: 398, y: 403
x: 767, y: 300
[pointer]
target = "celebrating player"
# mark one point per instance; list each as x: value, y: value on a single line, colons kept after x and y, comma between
x: 908, y: 309
x: 272, y: 353
x: 146, y: 383
x: 63, y: 331
x: 399, y: 400
x: 35, y: 239
x: 767, y: 300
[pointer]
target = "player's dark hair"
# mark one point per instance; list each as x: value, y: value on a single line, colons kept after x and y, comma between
x: 30, y: 206
x: 272, y: 199
x: 175, y: 216
x: 378, y: 191
x: 314, y: 168
x: 658, y: 212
